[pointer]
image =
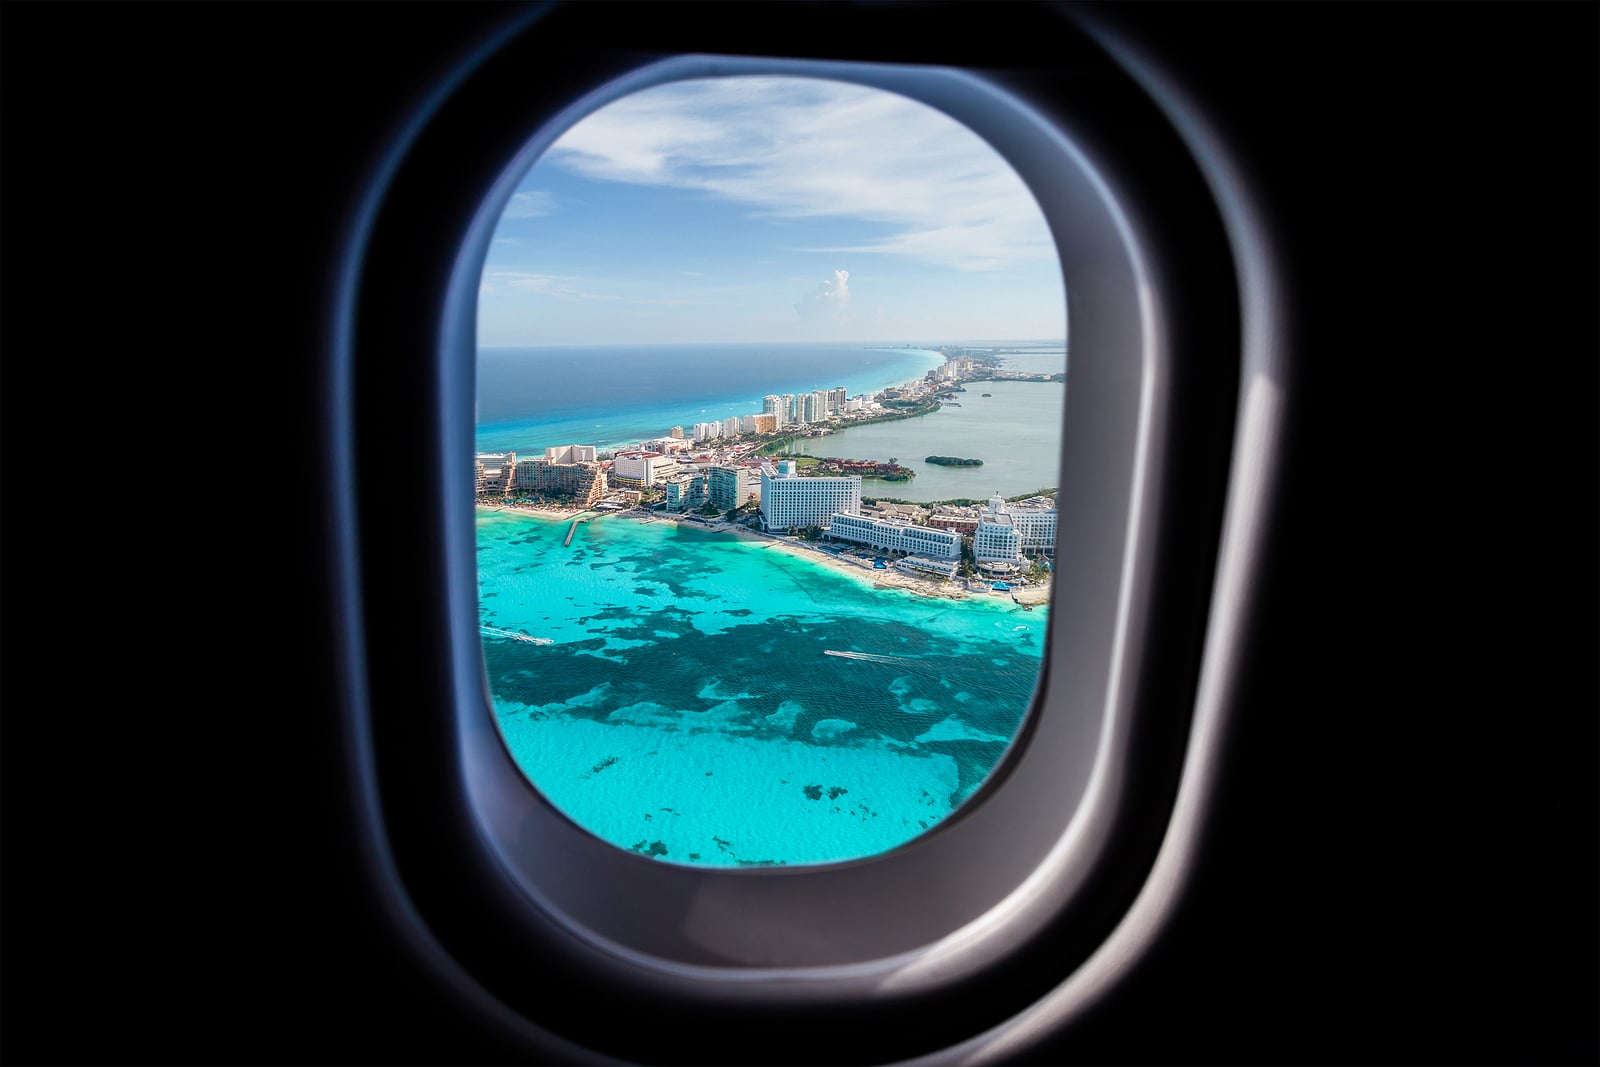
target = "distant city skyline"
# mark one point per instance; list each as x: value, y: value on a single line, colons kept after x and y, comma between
x: 769, y: 209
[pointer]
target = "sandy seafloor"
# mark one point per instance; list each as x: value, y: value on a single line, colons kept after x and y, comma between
x: 686, y: 706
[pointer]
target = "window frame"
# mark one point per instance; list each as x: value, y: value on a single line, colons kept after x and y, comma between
x: 795, y: 942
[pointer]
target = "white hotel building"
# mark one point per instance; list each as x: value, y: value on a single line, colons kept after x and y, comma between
x: 571, y: 454
x: 896, y: 535
x: 1004, y: 534
x: 789, y: 500
x: 642, y: 468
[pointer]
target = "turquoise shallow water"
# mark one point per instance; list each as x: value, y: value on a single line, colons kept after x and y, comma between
x: 686, y: 709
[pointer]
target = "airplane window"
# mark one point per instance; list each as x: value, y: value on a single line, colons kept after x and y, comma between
x: 678, y: 757
x: 770, y: 382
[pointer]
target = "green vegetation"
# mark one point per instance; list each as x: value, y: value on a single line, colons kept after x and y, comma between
x: 956, y: 502
x: 777, y: 445
x: 953, y: 461
x: 905, y: 409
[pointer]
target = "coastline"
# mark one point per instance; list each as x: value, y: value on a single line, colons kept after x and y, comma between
x: 860, y: 570
x: 502, y: 435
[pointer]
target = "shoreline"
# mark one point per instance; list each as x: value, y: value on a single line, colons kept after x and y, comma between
x: 861, y: 570
x: 604, y: 446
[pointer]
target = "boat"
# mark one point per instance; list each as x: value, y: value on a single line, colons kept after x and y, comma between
x: 495, y: 631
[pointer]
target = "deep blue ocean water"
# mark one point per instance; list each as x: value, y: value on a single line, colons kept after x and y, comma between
x: 686, y: 705
x: 607, y: 395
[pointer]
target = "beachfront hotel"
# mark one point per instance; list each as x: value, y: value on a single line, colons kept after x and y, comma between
x: 641, y: 468
x: 896, y: 535
x: 730, y: 487
x: 1005, y: 533
x: 500, y: 474
x: 492, y: 472
x: 585, y: 483
x: 568, y: 454
x: 788, y: 500
x: 686, y: 492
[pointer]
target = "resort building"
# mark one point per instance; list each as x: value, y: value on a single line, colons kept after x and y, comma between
x: 1037, y: 528
x: 903, y: 512
x: 571, y: 454
x: 642, y: 468
x: 730, y: 426
x: 492, y: 472
x: 996, y: 541
x: 896, y: 535
x: 764, y: 423
x: 686, y: 492
x: 730, y: 487
x: 676, y: 432
x: 1004, y: 533
x: 960, y: 523
x: 707, y: 431
x: 791, y: 501
x: 584, y: 483
x: 919, y: 565
x: 812, y: 407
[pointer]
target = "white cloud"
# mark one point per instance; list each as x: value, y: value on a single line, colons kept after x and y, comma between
x: 530, y: 204
x: 561, y: 287
x: 830, y: 299
x: 809, y: 148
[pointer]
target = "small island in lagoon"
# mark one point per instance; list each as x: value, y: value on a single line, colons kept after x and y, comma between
x: 953, y: 461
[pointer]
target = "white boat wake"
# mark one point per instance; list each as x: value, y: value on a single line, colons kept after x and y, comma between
x: 495, y: 631
x: 869, y: 657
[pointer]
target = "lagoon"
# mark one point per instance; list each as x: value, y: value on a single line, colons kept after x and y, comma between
x: 1016, y: 432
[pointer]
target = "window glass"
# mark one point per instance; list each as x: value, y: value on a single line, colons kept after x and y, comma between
x: 770, y: 384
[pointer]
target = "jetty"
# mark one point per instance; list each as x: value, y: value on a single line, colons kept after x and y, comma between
x: 573, y: 529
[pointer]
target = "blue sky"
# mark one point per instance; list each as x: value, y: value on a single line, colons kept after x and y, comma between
x: 769, y: 209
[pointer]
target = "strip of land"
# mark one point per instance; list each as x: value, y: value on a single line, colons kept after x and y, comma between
x: 859, y: 568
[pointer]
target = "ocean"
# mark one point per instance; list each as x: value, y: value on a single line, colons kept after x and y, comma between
x: 685, y: 704
x: 530, y: 399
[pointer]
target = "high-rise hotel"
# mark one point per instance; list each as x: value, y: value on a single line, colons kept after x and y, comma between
x: 1005, y: 533
x: 787, y: 500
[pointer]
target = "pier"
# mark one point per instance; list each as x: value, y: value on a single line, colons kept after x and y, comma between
x: 572, y: 530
